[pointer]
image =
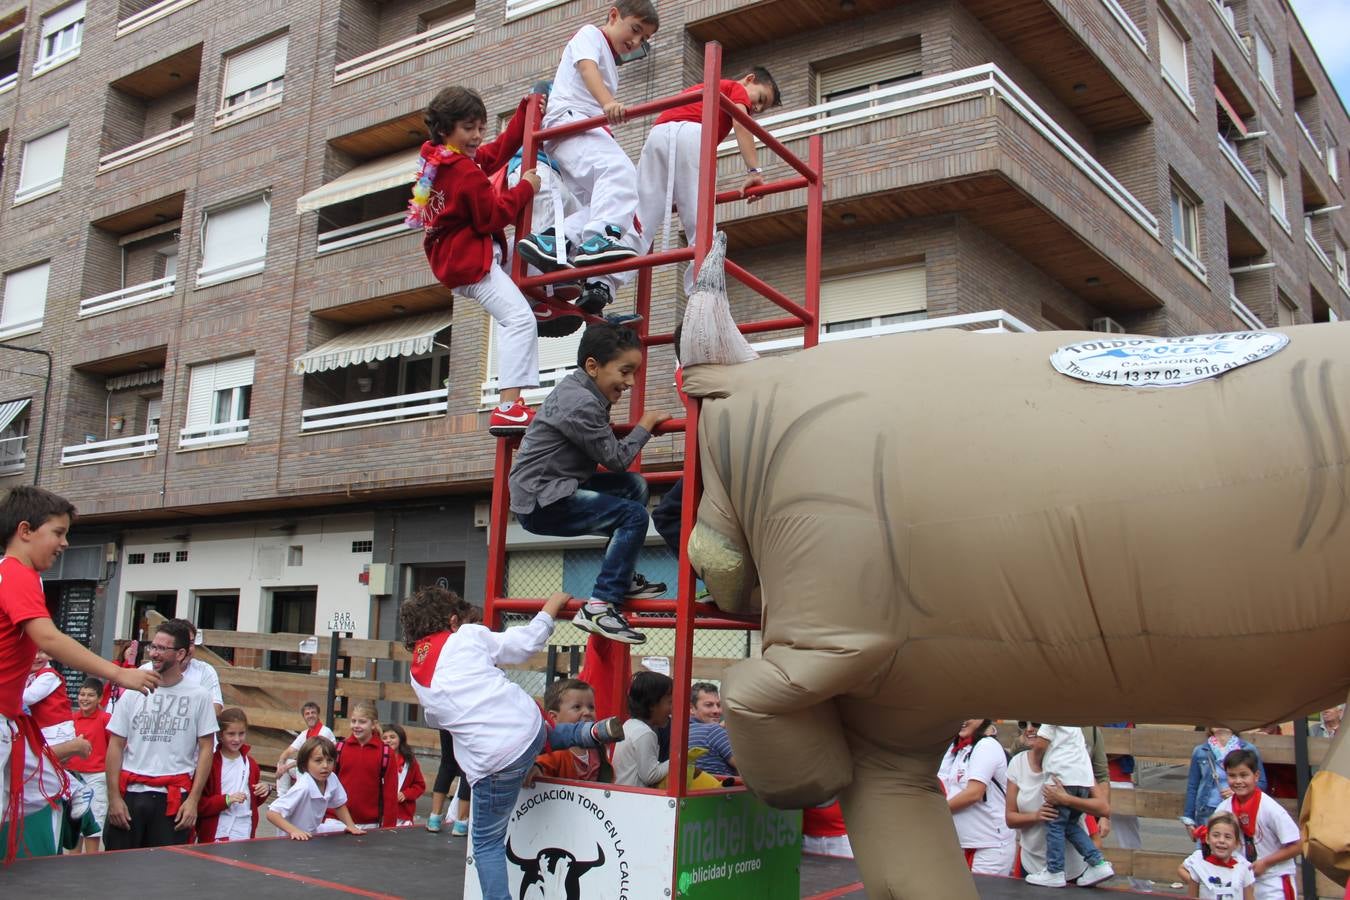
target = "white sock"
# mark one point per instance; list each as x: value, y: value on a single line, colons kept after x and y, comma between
x: 504, y: 405
x: 597, y: 606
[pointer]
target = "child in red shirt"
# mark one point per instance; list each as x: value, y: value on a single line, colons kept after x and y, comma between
x: 464, y: 218
x: 91, y: 724
x: 33, y: 525
x: 411, y: 784
x: 368, y: 770
x: 228, y: 810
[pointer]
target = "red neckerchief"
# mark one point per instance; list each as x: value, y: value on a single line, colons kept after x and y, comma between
x: 1228, y: 863
x: 314, y: 732
x: 425, y: 654
x: 1245, y: 811
x: 961, y: 743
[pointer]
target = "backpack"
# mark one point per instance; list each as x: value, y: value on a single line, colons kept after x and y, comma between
x: 384, y: 767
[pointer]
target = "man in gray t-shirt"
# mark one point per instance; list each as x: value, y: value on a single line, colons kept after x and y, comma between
x: 159, y: 752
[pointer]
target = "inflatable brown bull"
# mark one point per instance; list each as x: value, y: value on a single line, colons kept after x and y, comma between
x: 941, y: 524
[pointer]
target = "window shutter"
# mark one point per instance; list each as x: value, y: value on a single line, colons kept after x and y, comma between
x: 255, y: 66
x: 62, y: 18
x: 898, y: 62
x: 204, y: 380
x: 1265, y: 60
x: 554, y: 353
x: 866, y: 295
x: 1173, y: 51
x: 44, y: 160
x: 25, y: 296
x: 1275, y: 184
x: 235, y: 236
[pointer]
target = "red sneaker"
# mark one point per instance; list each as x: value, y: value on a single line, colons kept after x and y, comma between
x: 510, y: 422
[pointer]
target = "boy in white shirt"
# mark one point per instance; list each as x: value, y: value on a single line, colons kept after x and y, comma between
x: 1067, y: 759
x: 497, y: 727
x: 1270, y: 836
x: 593, y: 166
x: 300, y: 812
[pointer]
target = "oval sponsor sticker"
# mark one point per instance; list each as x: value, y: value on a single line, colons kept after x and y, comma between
x: 1164, y: 362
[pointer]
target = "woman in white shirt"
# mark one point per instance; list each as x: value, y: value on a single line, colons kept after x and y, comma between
x: 637, y: 759
x: 974, y: 773
x: 1027, y: 810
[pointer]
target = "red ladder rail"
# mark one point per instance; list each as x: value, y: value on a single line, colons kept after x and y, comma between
x: 684, y: 612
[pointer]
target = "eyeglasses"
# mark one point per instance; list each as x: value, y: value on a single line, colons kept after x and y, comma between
x: 1023, y: 725
x: 160, y: 648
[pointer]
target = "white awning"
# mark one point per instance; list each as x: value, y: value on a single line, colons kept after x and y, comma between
x: 135, y: 379
x: 10, y: 411
x: 387, y: 172
x: 383, y: 340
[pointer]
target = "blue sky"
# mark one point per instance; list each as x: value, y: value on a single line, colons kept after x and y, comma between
x: 1328, y: 25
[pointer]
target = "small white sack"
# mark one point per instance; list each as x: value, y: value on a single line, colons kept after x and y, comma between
x: 710, y: 335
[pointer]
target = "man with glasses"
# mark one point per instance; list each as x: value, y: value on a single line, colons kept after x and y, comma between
x: 196, y: 672
x: 159, y: 752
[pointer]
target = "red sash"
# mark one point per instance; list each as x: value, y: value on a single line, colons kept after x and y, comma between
x: 175, y: 786
x: 28, y: 740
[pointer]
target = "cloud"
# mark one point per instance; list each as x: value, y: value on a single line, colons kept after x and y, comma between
x: 1325, y: 21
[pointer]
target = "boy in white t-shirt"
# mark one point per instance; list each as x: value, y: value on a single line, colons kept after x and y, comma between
x: 593, y: 166
x: 299, y: 813
x: 1218, y: 873
x: 1269, y: 835
x: 1067, y: 759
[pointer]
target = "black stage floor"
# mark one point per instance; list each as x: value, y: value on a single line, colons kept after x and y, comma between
x: 396, y: 862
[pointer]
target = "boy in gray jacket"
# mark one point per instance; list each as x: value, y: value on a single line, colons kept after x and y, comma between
x: 555, y: 489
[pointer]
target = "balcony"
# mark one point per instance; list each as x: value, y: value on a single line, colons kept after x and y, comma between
x: 106, y: 451
x: 150, y: 14
x: 148, y: 147
x: 1229, y: 19
x: 994, y: 321
x: 1231, y: 155
x: 1316, y: 248
x: 132, y: 296
x: 8, y: 82
x: 422, y: 405
x: 250, y: 106
x: 221, y: 434
x: 1308, y: 135
x: 361, y: 233
x: 1243, y: 312
x: 13, y: 455
x: 441, y: 35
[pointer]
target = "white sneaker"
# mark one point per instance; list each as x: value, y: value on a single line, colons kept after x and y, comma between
x: 1047, y: 879
x: 1096, y: 874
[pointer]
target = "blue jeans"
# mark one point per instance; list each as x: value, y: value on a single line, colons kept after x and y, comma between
x: 494, y: 797
x: 1066, y: 826
x: 610, y: 504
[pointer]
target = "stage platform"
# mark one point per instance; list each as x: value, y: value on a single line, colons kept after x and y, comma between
x: 395, y: 862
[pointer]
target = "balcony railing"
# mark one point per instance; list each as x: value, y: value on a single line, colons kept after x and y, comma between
x: 243, y: 110
x: 129, y: 296
x: 948, y: 88
x: 1226, y: 15
x: 489, y: 394
x: 1121, y: 16
x: 148, y: 147
x: 1303, y: 127
x: 1231, y: 155
x: 363, y: 233
x: 13, y: 454
x: 15, y: 329
x: 7, y: 83
x: 991, y: 321
x: 151, y: 14
x: 457, y: 29
x: 104, y: 451
x: 1240, y: 309
x: 519, y: 9
x: 424, y: 405
x: 1315, y: 247
x: 218, y: 435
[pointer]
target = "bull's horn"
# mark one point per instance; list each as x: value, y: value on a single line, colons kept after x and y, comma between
x: 726, y: 569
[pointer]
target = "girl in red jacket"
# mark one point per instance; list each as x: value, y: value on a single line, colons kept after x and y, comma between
x: 411, y: 784
x: 464, y: 218
x: 369, y: 771
x: 228, y: 810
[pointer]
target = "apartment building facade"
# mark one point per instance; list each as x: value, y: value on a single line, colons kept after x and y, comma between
x: 272, y: 418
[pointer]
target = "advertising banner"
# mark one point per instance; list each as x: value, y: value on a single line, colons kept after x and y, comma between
x: 732, y: 846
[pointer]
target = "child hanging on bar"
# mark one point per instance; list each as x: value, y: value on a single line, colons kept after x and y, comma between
x: 464, y: 218
x: 555, y: 489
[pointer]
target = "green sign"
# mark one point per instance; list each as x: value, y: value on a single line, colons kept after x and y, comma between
x: 733, y: 846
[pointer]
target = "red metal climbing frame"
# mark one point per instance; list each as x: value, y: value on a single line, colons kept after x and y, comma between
x: 687, y: 613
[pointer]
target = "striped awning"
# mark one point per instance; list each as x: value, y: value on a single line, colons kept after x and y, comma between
x: 368, y: 178
x: 135, y: 379
x: 9, y: 411
x: 412, y: 336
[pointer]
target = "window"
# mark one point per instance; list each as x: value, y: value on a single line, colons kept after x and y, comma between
x: 1286, y: 313
x: 219, y: 395
x: 13, y: 436
x: 25, y: 300
x: 295, y: 555
x: 254, y: 80
x: 62, y: 32
x: 363, y: 546
x: 557, y: 357
x: 44, y: 160
x: 234, y: 241
x: 1333, y: 155
x: 1172, y: 49
x: 859, y: 77
x: 292, y: 613
x: 1341, y: 275
x: 874, y: 298
x: 1265, y: 64
x: 1186, y: 228
x: 135, y: 559
x: 160, y: 556
x: 180, y: 556
x: 152, y: 415
x: 1275, y: 190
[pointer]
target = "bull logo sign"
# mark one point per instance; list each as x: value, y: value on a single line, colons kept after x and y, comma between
x: 553, y: 873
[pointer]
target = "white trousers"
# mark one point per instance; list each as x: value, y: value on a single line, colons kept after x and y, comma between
x: 41, y: 777
x: 1276, y: 887
x: 601, y: 178
x: 994, y: 860
x: 1125, y: 829
x: 667, y: 175
x: 517, y: 340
